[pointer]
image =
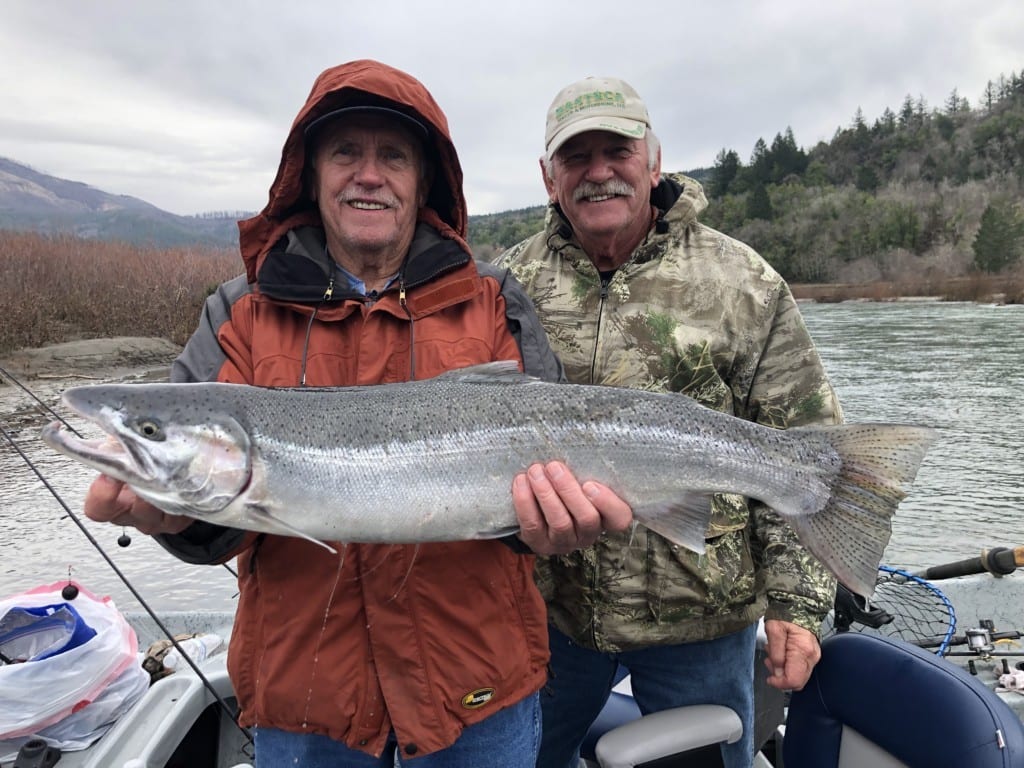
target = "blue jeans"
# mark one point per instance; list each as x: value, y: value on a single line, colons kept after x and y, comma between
x: 510, y: 737
x: 719, y: 671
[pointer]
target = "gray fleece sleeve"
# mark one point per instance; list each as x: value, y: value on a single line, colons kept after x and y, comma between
x: 538, y: 358
x: 201, y: 360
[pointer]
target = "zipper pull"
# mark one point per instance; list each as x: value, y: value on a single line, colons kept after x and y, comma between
x: 330, y: 290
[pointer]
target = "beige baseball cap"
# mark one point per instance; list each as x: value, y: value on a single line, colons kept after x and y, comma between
x: 595, y: 104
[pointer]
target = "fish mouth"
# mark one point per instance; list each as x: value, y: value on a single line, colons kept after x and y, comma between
x: 189, y: 466
x: 108, y: 455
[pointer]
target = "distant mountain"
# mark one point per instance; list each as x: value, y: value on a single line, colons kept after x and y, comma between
x: 36, y: 202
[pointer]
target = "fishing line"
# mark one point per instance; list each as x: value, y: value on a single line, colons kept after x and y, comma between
x: 96, y: 545
x: 10, y: 377
x: 124, y: 540
x: 124, y: 579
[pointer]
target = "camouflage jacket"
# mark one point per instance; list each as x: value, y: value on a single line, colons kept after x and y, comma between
x: 696, y: 312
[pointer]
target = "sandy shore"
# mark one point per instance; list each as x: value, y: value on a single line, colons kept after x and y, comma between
x: 47, y: 371
x: 91, y: 358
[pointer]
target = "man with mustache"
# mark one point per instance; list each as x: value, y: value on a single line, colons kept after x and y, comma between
x: 633, y: 291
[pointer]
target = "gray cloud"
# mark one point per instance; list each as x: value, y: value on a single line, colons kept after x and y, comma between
x: 185, y: 105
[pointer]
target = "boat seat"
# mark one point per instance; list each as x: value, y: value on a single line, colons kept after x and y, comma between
x: 621, y: 738
x: 684, y: 737
x: 880, y: 702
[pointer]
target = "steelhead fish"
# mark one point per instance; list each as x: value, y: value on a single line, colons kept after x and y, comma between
x: 434, y: 460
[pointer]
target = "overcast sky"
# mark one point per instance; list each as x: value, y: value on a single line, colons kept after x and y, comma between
x: 186, y: 104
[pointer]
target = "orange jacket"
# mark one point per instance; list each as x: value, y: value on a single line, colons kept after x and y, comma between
x: 419, y: 639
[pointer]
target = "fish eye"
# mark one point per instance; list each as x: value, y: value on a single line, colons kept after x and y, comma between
x: 149, y: 429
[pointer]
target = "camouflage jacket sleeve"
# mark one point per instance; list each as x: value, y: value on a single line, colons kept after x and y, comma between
x: 790, y: 388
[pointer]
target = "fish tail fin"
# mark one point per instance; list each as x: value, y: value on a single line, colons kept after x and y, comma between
x: 877, y: 464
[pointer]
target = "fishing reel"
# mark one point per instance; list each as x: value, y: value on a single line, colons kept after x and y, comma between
x: 981, y: 643
x: 979, y: 640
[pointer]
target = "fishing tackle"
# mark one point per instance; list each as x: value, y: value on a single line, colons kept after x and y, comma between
x: 70, y: 592
x: 96, y: 545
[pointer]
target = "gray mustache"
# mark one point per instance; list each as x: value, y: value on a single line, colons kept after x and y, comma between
x: 348, y: 195
x: 612, y: 187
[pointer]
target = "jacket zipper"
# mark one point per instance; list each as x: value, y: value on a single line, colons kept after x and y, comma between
x: 597, y: 333
x: 595, y: 577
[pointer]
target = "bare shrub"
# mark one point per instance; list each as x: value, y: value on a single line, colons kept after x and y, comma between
x: 862, y: 270
x: 57, y: 288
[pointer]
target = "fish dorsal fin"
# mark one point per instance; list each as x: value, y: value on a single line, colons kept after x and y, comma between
x: 498, y: 372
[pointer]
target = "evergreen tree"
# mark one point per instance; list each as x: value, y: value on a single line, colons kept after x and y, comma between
x: 945, y: 126
x: 867, y: 179
x: 727, y: 165
x: 920, y: 111
x: 1000, y: 239
x: 761, y: 163
x: 786, y: 157
x: 989, y: 97
x: 907, y: 112
x: 861, y: 134
x: 759, y: 205
x: 953, y: 103
x: 886, y: 124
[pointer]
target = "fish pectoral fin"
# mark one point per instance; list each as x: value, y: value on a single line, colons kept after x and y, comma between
x: 270, y: 524
x: 682, y: 521
x: 499, y: 533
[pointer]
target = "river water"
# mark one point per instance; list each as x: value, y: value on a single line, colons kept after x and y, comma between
x: 958, y: 367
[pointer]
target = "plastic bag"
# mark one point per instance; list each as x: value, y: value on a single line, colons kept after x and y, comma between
x: 38, y: 633
x: 80, y: 670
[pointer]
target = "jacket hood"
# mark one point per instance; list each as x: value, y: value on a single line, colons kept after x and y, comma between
x: 357, y: 82
x: 678, y: 198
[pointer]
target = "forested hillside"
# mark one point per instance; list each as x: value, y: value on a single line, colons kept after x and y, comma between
x: 919, y: 192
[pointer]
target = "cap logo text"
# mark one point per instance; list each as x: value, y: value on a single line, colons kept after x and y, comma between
x: 589, y: 101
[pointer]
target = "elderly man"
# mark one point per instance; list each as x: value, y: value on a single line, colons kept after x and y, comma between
x: 634, y: 291
x: 357, y: 272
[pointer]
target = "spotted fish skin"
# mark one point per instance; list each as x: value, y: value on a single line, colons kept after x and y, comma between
x: 434, y: 460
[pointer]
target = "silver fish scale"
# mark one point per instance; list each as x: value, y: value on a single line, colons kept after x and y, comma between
x: 434, y: 460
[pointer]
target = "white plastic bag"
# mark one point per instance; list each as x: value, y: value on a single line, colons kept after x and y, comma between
x: 68, y: 696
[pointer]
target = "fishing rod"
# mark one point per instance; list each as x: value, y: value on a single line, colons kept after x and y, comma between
x: 117, y: 571
x: 120, y: 574
x: 14, y: 380
x: 999, y: 561
x: 124, y: 540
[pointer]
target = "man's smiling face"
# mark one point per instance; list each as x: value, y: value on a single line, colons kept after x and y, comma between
x: 368, y: 181
x: 603, y: 182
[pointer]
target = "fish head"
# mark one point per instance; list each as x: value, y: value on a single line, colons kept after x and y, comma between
x: 164, y: 441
